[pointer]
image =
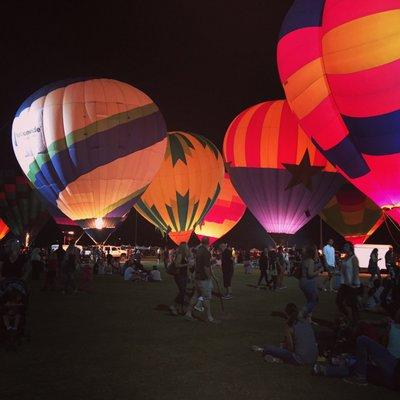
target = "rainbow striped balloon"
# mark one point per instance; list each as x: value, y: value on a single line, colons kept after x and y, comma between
x: 91, y: 147
x: 226, y: 212
x: 277, y: 171
x: 339, y: 62
x: 352, y: 214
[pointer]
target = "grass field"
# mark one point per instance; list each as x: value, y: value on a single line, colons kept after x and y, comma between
x: 115, y: 344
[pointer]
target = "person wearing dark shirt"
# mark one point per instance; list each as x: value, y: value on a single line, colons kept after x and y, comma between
x: 203, y: 284
x: 280, y: 268
x: 227, y: 269
x: 13, y: 264
x: 181, y: 278
x: 390, y: 263
x: 263, y: 264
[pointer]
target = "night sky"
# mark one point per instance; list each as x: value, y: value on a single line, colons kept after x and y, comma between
x: 201, y: 62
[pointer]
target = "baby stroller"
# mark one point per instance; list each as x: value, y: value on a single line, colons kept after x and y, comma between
x: 13, y: 309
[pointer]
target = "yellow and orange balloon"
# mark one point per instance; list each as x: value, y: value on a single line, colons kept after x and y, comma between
x: 223, y: 215
x: 186, y: 186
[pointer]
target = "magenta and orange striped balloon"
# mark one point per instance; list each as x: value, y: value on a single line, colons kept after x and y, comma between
x: 339, y: 62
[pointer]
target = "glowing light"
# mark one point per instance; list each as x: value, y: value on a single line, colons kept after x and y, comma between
x: 99, y: 223
x: 27, y: 236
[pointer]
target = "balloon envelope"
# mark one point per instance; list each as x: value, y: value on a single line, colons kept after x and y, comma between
x: 277, y: 171
x: 89, y: 146
x: 185, y: 187
x: 20, y: 207
x: 226, y: 212
x: 4, y: 229
x: 352, y: 214
x: 339, y: 62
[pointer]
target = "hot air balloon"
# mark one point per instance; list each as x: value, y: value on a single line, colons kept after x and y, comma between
x: 226, y: 212
x: 339, y: 62
x: 4, y: 229
x: 60, y: 219
x: 277, y: 171
x: 186, y: 186
x: 90, y: 147
x: 352, y: 214
x: 20, y: 207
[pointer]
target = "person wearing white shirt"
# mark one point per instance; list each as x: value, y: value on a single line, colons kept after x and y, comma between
x: 155, y: 275
x: 128, y: 274
x: 330, y: 264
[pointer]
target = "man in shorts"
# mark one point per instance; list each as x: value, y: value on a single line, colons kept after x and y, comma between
x: 203, y: 283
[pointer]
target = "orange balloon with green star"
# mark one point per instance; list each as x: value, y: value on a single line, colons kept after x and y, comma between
x: 186, y: 186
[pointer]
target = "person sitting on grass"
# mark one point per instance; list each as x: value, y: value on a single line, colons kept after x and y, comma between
x: 129, y: 273
x: 372, y: 300
x: 13, y: 304
x: 373, y: 362
x: 155, y: 275
x: 300, y: 346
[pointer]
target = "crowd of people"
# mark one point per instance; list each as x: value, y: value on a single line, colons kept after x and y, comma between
x: 192, y: 270
x: 66, y: 271
x: 351, y: 346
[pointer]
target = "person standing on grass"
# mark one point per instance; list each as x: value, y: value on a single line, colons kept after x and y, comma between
x: 373, y: 268
x: 70, y: 266
x: 51, y: 272
x: 391, y: 264
x: 286, y: 259
x: 36, y: 261
x: 328, y: 253
x: 307, y: 283
x: 227, y: 269
x: 281, y: 266
x: 181, y: 264
x: 272, y: 269
x: 346, y: 299
x: 203, y: 283
x: 263, y: 264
